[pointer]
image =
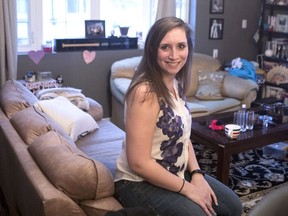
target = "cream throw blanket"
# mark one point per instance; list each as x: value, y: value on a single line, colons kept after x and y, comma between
x: 72, y: 94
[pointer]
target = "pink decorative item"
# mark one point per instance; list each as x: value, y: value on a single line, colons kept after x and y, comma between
x: 47, y: 49
x: 89, y: 56
x: 36, y: 56
x: 216, y: 125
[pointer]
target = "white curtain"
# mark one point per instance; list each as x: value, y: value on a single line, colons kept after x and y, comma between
x: 166, y: 8
x: 8, y: 40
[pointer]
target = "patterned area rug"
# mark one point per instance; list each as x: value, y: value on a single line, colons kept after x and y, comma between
x: 252, y: 175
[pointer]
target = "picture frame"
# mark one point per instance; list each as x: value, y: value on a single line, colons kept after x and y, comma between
x: 271, y: 1
x: 281, y: 2
x: 216, y: 28
x: 281, y: 23
x: 95, y: 28
x: 271, y: 91
x: 216, y: 6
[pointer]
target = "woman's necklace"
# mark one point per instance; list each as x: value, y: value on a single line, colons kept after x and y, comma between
x: 173, y: 92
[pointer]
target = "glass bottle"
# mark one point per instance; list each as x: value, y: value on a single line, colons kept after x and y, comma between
x: 243, y: 118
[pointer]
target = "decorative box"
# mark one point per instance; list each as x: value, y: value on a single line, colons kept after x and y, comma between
x: 43, y: 75
x: 277, y: 150
x: 35, y: 86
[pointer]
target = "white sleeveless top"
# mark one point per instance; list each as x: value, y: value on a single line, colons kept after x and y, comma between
x: 170, y: 141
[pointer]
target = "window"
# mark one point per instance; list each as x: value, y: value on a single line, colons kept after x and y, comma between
x: 44, y: 20
x: 22, y: 26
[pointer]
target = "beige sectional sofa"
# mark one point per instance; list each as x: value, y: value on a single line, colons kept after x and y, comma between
x: 210, y: 91
x: 43, y: 171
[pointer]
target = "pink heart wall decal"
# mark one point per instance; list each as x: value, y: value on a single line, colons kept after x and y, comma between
x: 36, y: 56
x: 89, y: 56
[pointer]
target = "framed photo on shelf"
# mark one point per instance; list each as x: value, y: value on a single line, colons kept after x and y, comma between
x: 216, y: 6
x: 216, y: 29
x: 94, y: 28
x: 271, y: 1
x: 281, y: 23
x: 281, y: 2
x: 271, y: 91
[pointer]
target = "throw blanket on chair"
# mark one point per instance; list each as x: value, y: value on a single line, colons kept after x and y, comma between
x: 242, y: 68
x: 73, y: 94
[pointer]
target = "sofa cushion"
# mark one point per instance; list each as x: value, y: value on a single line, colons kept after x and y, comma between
x: 201, y: 62
x: 125, y: 68
x: 70, y: 170
x: 210, y: 85
x: 104, y: 144
x: 196, y: 108
x: 14, y: 96
x: 216, y: 106
x: 75, y: 121
x: 27, y: 129
x: 39, y: 124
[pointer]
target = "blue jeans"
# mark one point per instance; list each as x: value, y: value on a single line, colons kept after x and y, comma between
x: 164, y: 202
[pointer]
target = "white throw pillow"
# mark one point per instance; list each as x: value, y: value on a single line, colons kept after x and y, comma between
x: 210, y: 84
x: 75, y: 121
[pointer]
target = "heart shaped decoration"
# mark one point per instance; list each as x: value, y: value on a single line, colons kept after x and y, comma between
x: 36, y: 56
x: 89, y: 56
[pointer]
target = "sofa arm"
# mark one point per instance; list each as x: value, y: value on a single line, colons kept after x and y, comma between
x: 95, y: 109
x: 244, y: 90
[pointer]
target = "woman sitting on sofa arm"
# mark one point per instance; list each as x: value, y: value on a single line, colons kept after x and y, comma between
x: 157, y: 168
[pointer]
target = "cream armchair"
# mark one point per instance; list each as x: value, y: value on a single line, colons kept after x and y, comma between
x: 217, y: 92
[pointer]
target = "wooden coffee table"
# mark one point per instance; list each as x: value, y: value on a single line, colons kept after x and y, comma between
x: 225, y: 147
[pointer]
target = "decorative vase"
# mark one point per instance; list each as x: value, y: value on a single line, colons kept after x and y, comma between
x: 124, y: 31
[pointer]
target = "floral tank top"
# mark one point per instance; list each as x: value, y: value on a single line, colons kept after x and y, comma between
x: 170, y: 142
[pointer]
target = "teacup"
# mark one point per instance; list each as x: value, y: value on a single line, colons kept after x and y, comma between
x: 232, y: 130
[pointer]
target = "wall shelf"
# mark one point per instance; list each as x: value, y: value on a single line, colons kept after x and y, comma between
x: 267, y: 31
x: 273, y: 35
x: 81, y: 44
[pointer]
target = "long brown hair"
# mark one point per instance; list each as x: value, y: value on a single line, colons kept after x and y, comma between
x: 149, y: 69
